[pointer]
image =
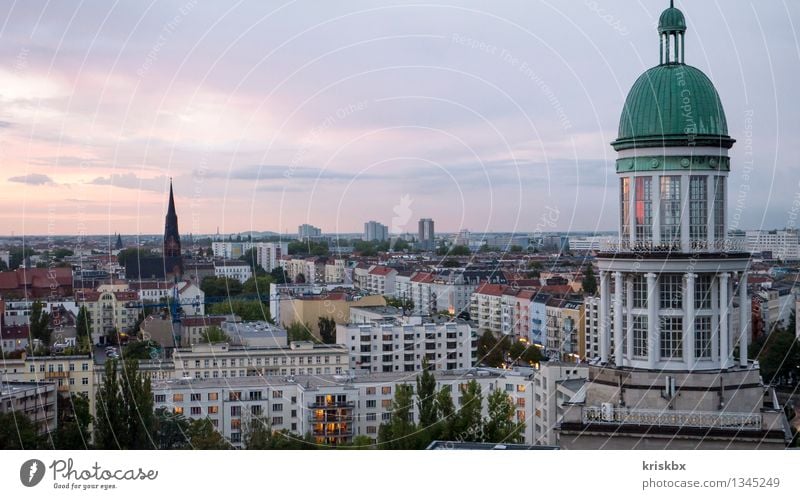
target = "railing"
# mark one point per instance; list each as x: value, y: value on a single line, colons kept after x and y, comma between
x: 331, y: 405
x: 655, y: 417
x: 719, y: 245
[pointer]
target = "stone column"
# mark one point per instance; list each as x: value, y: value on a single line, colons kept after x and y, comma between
x: 744, y: 319
x: 655, y: 207
x: 689, y: 340
x: 685, y: 240
x: 618, y: 318
x: 724, y: 349
x: 629, y: 310
x: 603, y: 317
x: 653, y: 334
x: 715, y: 336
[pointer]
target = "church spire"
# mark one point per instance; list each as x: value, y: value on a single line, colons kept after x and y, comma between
x: 172, y: 238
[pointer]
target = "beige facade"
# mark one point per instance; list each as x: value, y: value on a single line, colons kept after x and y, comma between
x: 309, y: 310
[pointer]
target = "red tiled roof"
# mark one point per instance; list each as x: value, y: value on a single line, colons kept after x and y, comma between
x: 207, y: 320
x: 423, y: 277
x: 35, y: 278
x: 378, y: 270
x: 557, y: 289
x: 490, y: 289
x: 18, y: 332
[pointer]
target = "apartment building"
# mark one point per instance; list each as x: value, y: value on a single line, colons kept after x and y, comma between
x: 191, y: 297
x: 400, y: 346
x: 486, y: 307
x: 335, y: 272
x: 333, y: 409
x: 308, y: 270
x: 36, y: 400
x: 554, y: 385
x: 221, y: 360
x: 381, y: 281
x: 111, y: 312
x: 781, y: 244
x: 238, y: 271
x: 566, y: 337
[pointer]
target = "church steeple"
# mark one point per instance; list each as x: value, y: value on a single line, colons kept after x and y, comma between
x: 172, y: 239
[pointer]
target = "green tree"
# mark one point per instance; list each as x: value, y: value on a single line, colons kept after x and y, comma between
x: 132, y: 253
x: 248, y: 310
x: 203, y: 436
x: 74, y: 419
x: 469, y: 420
x: 40, y: 323
x: 399, y: 432
x: 258, y: 285
x: 18, y: 432
x: 171, y: 430
x: 83, y: 324
x: 401, y: 245
x: 426, y: 397
x: 124, y: 402
x: 327, y: 330
x: 589, y: 281
x: 259, y: 435
x: 141, y: 350
x: 220, y: 286
x: 500, y: 425
x: 300, y: 332
x: 278, y: 275
x: 446, y: 413
x: 251, y: 257
x: 491, y: 350
x: 17, y: 256
x: 214, y: 334
x: 779, y: 357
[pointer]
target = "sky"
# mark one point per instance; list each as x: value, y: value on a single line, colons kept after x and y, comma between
x: 487, y: 116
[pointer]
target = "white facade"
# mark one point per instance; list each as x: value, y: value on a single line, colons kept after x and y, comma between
x: 399, y: 347
x: 783, y: 244
x: 233, y: 271
x: 268, y: 255
x: 374, y: 231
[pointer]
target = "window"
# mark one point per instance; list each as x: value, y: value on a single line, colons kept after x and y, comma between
x: 719, y: 207
x: 509, y: 387
x: 213, y: 409
x: 277, y: 420
x: 371, y: 403
x: 236, y: 424
x: 639, y: 292
x: 670, y: 209
x: 177, y: 410
x: 84, y: 381
x: 213, y: 396
x: 194, y: 397
x: 372, y: 429
x: 671, y: 287
x: 277, y: 407
x: 177, y: 397
x: 371, y: 416
x: 698, y: 208
x: 640, y: 336
x: 159, y: 398
x: 671, y: 337
x: 195, y: 411
x: 236, y: 437
x: 255, y: 395
x: 236, y: 410
x: 386, y: 403
x: 702, y: 291
x: 386, y: 390
x: 520, y: 388
x: 235, y: 396
x: 643, y: 209
x: 624, y: 201
x: 702, y: 337
x: 277, y: 394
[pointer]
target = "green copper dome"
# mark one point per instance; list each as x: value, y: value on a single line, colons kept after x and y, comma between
x: 672, y: 104
x: 671, y: 20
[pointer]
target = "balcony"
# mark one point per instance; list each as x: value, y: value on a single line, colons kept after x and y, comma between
x: 330, y: 405
x: 717, y: 246
x: 740, y: 421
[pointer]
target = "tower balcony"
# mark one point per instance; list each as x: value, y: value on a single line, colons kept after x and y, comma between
x: 739, y: 421
x: 705, y: 246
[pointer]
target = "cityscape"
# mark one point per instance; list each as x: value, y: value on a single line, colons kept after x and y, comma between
x: 663, y: 323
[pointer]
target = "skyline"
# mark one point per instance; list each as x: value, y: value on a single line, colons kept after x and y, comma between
x: 487, y: 120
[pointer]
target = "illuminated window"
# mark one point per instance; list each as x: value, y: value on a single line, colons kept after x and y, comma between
x: 213, y: 396
x: 624, y: 200
x: 643, y: 209
x: 177, y: 397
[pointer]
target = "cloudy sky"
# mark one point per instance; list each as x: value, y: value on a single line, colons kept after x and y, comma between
x: 270, y: 114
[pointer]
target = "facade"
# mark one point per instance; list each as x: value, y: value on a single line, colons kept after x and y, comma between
x: 307, y: 231
x: 269, y: 254
x: 111, y: 312
x: 190, y: 296
x: 335, y: 272
x: 669, y: 379
x: 426, y: 234
x: 238, y: 271
x: 333, y: 409
x: 36, y: 400
x: 193, y: 327
x: 220, y: 360
x: 374, y: 231
x: 28, y: 284
x: 403, y: 347
x: 780, y: 244
x: 591, y: 326
x: 305, y: 270
x: 554, y: 384
x: 566, y: 338
x: 381, y: 281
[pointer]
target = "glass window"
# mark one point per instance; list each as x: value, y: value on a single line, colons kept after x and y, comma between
x: 640, y: 336
x: 698, y: 208
x: 719, y: 207
x: 671, y: 209
x: 671, y: 337
x: 702, y: 337
x: 644, y: 209
x: 702, y: 292
x: 639, y: 292
x: 671, y: 291
x: 624, y: 200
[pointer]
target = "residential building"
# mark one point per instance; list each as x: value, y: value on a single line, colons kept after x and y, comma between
x: 36, y: 400
x: 374, y: 231
x: 238, y: 271
x: 307, y: 231
x: 554, y: 384
x: 777, y: 244
x: 381, y: 281
x: 194, y: 327
x: 426, y: 235
x: 254, y: 334
x: 335, y: 272
x: 111, y: 312
x: 33, y: 283
x: 566, y: 338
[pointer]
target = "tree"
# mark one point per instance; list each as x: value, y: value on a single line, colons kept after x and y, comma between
x: 399, y: 432
x: 142, y: 350
x: 203, y: 436
x: 83, y: 324
x: 74, y: 418
x: 247, y: 310
x: 171, y: 430
x: 258, y: 285
x: 40, y: 323
x: 259, y: 435
x: 300, y: 278
x: 401, y: 245
x: 327, y: 330
x: 17, y: 432
x: 468, y: 420
x: 299, y: 332
x: 446, y: 414
x: 779, y: 357
x: 279, y: 275
x: 18, y: 255
x: 426, y: 398
x: 129, y: 254
x: 214, y: 334
x: 220, y: 286
x: 589, y: 281
x: 124, y: 402
x: 491, y: 350
x: 500, y: 425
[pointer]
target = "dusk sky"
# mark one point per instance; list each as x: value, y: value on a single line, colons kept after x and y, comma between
x: 272, y: 114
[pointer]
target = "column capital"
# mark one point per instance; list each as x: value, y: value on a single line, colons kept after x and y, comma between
x: 618, y: 274
x: 650, y: 275
x: 690, y: 275
x: 724, y: 275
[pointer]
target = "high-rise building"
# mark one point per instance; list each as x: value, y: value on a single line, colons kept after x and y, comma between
x: 673, y: 370
x: 374, y: 231
x: 426, y: 234
x: 307, y: 231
